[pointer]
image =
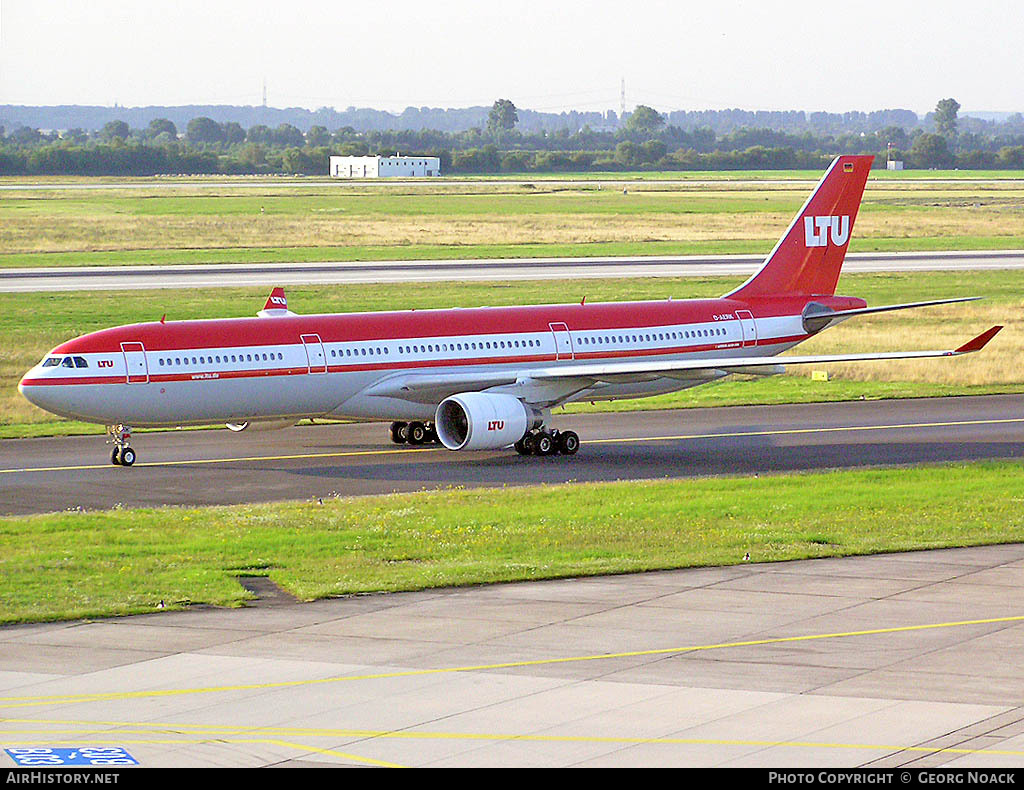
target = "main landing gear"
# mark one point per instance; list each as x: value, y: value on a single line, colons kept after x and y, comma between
x: 545, y: 442
x: 415, y: 433
x: 122, y: 454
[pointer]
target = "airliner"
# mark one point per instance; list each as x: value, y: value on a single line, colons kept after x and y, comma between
x: 472, y: 379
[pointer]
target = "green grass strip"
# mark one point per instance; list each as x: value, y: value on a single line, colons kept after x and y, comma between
x: 72, y: 565
x: 246, y: 255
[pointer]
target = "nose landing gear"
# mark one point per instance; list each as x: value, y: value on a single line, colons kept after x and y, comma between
x: 120, y: 436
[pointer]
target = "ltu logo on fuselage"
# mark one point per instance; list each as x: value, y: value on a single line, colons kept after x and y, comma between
x: 818, y: 230
x: 496, y: 425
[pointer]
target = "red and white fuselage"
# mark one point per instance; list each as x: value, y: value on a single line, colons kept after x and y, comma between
x: 487, y: 376
x: 236, y: 370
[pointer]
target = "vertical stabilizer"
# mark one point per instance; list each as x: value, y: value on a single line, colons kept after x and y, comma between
x: 276, y: 306
x: 809, y: 256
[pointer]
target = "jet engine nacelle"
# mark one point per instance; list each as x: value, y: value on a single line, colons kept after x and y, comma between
x: 260, y: 425
x: 481, y: 421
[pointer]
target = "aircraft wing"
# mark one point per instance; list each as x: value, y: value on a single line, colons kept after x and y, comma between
x: 612, y: 371
x: 541, y: 384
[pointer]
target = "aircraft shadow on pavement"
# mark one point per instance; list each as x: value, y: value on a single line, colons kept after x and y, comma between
x: 697, y: 458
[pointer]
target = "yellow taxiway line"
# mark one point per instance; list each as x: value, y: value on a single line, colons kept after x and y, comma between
x: 113, y: 731
x: 623, y: 440
x: 67, y: 699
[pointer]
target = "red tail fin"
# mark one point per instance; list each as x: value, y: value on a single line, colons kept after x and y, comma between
x: 276, y: 306
x: 808, y: 257
x: 277, y: 300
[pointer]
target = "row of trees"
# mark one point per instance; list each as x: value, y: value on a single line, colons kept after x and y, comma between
x: 461, y: 118
x: 646, y: 141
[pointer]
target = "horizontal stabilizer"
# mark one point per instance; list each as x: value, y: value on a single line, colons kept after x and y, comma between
x: 817, y: 317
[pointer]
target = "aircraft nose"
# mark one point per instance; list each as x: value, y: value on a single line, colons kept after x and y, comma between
x: 27, y: 390
x: 35, y: 391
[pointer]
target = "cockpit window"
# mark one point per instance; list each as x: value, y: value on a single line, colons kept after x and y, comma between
x: 81, y: 363
x: 67, y: 363
x: 52, y: 362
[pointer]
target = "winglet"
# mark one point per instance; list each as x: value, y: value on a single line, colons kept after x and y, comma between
x: 979, y: 342
x: 277, y: 304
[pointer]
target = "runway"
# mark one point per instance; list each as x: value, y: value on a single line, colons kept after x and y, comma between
x: 903, y: 660
x: 220, y: 467
x: 270, y: 274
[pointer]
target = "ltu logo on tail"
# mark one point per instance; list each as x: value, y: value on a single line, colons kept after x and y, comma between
x: 279, y: 300
x: 818, y: 230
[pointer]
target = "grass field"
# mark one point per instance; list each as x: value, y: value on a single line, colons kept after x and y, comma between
x: 601, y: 175
x: 493, y: 218
x: 71, y: 565
x: 32, y: 324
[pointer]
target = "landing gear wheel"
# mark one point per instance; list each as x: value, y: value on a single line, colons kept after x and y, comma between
x: 127, y: 456
x: 115, y: 456
x: 523, y: 446
x: 399, y: 432
x: 544, y: 444
x: 432, y: 433
x: 417, y: 433
x: 568, y: 443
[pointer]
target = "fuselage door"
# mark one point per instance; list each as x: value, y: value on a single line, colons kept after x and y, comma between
x: 135, y: 365
x: 315, y: 355
x: 563, y: 341
x: 748, y: 327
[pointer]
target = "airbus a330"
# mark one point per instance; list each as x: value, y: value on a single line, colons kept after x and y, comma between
x: 471, y: 379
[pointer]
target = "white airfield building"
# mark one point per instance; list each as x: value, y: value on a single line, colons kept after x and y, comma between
x: 384, y: 166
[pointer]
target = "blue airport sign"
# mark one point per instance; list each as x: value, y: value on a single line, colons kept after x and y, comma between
x: 45, y: 756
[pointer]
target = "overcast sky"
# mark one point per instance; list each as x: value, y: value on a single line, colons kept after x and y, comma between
x: 546, y: 54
